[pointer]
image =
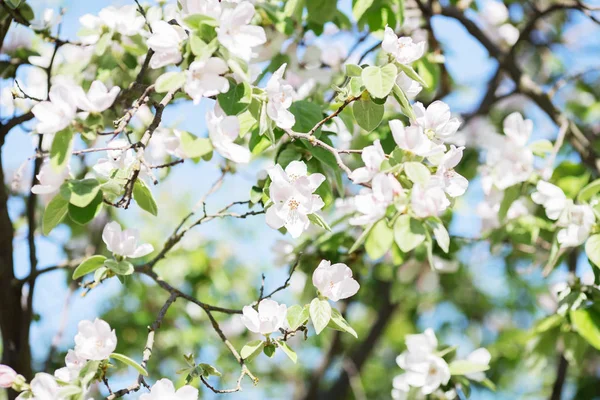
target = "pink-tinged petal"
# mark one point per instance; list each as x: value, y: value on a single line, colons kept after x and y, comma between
x: 250, y: 319
x: 273, y: 219
x: 142, y: 250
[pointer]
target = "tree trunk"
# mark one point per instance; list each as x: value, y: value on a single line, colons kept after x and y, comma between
x: 15, y: 345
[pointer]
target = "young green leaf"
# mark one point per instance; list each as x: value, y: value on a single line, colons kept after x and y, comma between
x: 55, y: 212
x: 464, y: 367
x: 379, y: 81
x: 122, y: 267
x: 417, y: 172
x: 61, y: 149
x: 80, y: 193
x: 252, y: 349
x: 288, y: 351
x: 297, y: 316
x: 126, y: 360
x: 368, y: 114
x: 143, y: 196
x: 89, y: 265
x: 408, y: 233
x: 412, y: 74
x: 320, y: 314
x: 338, y: 322
x: 586, y: 322
x: 169, y: 81
x: 592, y: 249
x: 379, y: 240
x: 319, y: 221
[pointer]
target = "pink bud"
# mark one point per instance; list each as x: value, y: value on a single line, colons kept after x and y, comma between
x: 7, y: 376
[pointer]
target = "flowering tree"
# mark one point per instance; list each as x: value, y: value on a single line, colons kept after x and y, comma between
x: 366, y: 175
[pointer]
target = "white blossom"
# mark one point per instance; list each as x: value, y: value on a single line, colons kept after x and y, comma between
x: 235, y: 33
x: 402, y: 49
x: 95, y: 340
x: 164, y: 389
x: 430, y: 199
x: 334, y: 281
x: 443, y: 265
x: 410, y: 87
x: 436, y: 120
x: 73, y: 365
x: 423, y: 368
x: 269, y: 318
x: 49, y: 180
x: 372, y: 203
x: 577, y: 221
x: 165, y: 41
x: 204, y: 79
x: 551, y: 197
x: 413, y: 139
x: 124, y: 243
x: 480, y: 356
x: 222, y: 131
x: 210, y: 8
x: 372, y: 156
x: 280, y: 96
x: 518, y: 129
x: 48, y: 19
x: 98, y: 98
x: 119, y: 157
x: 7, y: 376
x: 453, y: 183
x: 292, y: 195
x: 56, y: 114
x: 43, y: 387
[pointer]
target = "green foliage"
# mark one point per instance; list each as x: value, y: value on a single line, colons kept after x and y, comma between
x: 367, y: 113
x: 320, y: 314
x: 143, y: 196
x: 55, y: 212
x: 89, y: 265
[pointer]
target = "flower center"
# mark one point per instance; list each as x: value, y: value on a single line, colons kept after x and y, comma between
x: 293, y: 204
x: 99, y: 343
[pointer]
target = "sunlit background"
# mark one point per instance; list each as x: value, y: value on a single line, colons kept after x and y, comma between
x: 248, y: 242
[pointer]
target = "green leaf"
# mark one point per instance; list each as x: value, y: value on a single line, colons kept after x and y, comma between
x: 13, y: 3
x: 307, y: 115
x: 321, y: 11
x: 195, y: 147
x: 589, y: 191
x: 169, y: 81
x: 541, y: 147
x: 252, y: 349
x: 237, y: 99
x: 379, y: 81
x: 570, y: 177
x: 269, y: 350
x: 320, y: 314
x: 195, y: 20
x: 404, y: 103
x: 288, y: 352
x: 592, y: 249
x: 143, y: 196
x: 61, y: 149
x: 464, y: 367
x: 83, y: 215
x: 587, y: 323
x: 441, y: 234
x: 209, y: 370
x: 126, y: 360
x: 412, y: 74
x: 353, y: 70
x: 297, y: 316
x: 319, y: 221
x: 379, y: 240
x: 80, y: 193
x: 359, y: 7
x: 55, y: 212
x: 417, y: 172
x: 368, y: 114
x: 408, y: 233
x: 89, y: 265
x: 338, y: 323
x: 122, y: 267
